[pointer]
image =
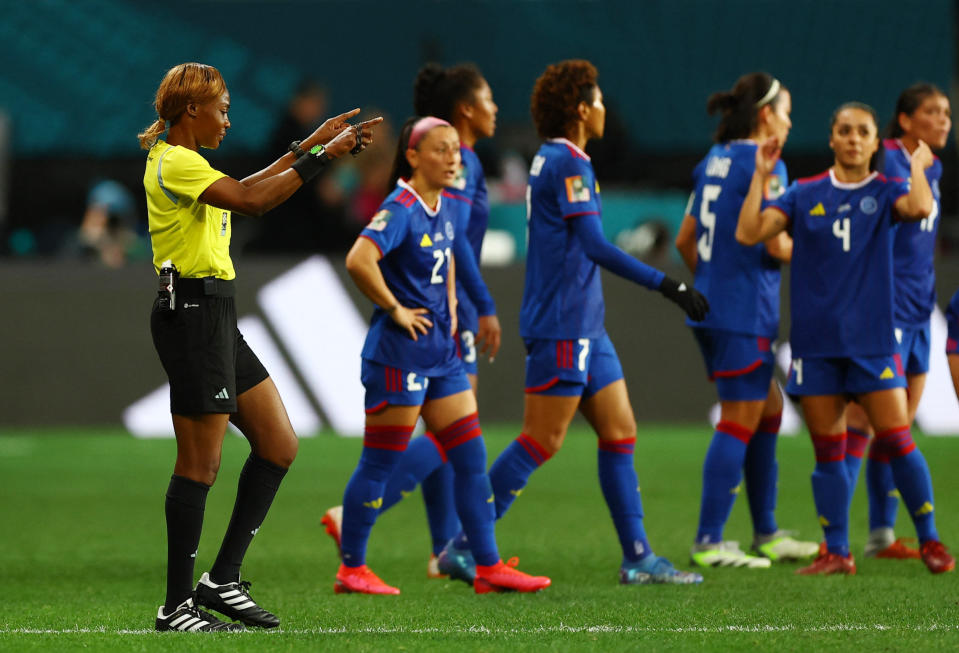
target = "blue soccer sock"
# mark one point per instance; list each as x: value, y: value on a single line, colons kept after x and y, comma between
x: 382, y: 448
x: 856, y: 442
x: 620, y: 485
x: 722, y: 472
x: 830, y: 490
x: 421, y: 458
x: 512, y: 469
x: 463, y: 442
x: 762, y: 475
x: 439, y: 496
x: 883, y: 496
x: 911, y: 474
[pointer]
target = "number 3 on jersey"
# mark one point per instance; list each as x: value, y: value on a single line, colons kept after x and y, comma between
x: 708, y: 219
x: 440, y: 255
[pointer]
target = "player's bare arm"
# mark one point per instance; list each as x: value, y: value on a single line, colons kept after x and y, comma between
x: 363, y: 264
x: 919, y: 203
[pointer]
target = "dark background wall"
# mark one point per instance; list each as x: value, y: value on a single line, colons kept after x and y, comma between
x: 76, y: 350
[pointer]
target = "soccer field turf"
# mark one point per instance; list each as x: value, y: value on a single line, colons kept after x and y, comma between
x: 83, y: 554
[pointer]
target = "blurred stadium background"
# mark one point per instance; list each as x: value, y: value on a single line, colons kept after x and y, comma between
x: 76, y: 86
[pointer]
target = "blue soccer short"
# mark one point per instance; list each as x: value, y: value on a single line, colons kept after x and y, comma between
x: 952, y: 323
x: 845, y: 376
x: 571, y: 368
x: 913, y: 344
x: 467, y: 324
x: 741, y: 365
x: 387, y: 385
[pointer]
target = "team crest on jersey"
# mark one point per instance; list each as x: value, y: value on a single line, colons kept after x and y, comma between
x: 773, y: 187
x: 819, y: 209
x: 868, y: 205
x: 425, y: 241
x: 449, y: 230
x: 460, y: 181
x: 576, y: 190
x: 379, y: 221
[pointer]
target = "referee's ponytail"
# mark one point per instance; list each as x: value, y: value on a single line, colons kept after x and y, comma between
x: 183, y: 84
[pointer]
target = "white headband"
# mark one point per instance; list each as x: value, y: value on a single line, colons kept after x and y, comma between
x: 770, y: 94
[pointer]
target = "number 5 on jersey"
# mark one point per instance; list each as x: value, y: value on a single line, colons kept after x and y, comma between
x: 708, y: 219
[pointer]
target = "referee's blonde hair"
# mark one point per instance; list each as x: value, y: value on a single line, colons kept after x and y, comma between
x: 182, y: 84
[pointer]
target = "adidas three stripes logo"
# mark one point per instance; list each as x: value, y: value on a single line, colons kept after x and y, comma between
x: 222, y: 394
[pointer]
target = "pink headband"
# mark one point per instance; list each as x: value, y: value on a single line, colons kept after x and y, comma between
x: 423, y: 125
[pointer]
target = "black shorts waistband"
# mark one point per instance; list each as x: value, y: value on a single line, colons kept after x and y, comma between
x: 205, y: 287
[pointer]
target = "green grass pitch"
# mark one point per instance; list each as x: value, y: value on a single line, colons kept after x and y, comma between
x: 82, y: 557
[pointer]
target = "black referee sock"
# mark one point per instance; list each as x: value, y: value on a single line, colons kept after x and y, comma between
x: 185, y: 501
x: 259, y: 481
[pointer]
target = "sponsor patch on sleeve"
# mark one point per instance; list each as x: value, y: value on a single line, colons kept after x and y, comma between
x: 576, y: 190
x: 379, y: 221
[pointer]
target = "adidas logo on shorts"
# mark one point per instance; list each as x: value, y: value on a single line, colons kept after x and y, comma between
x: 222, y: 394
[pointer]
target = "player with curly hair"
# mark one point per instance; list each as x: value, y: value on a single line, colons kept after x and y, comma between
x: 571, y: 363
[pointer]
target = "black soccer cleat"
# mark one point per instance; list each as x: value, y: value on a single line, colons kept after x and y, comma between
x: 233, y: 600
x: 188, y: 618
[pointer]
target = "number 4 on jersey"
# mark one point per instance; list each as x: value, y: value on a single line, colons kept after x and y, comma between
x: 840, y: 229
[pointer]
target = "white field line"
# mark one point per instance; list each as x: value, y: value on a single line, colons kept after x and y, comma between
x: 557, y: 629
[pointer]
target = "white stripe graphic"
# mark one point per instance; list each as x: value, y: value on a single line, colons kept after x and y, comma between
x: 244, y: 606
x: 179, y: 620
x: 226, y: 595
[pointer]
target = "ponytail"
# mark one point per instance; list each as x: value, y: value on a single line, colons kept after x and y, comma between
x: 151, y: 134
x: 739, y: 107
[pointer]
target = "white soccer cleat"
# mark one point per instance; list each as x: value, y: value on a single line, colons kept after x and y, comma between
x: 725, y: 554
x: 782, y: 547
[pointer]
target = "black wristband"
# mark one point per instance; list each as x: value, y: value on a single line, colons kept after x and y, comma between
x: 296, y: 149
x: 311, y: 163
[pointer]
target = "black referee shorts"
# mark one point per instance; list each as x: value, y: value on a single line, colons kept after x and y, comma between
x: 205, y: 356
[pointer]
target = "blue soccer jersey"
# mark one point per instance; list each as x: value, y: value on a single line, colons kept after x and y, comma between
x: 741, y: 283
x: 417, y: 244
x: 563, y: 296
x: 841, y: 282
x: 915, y: 244
x: 472, y: 220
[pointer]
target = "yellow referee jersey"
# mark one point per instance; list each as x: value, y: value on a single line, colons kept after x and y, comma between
x: 195, y: 236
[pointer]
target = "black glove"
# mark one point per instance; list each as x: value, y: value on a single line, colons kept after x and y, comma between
x: 689, y: 299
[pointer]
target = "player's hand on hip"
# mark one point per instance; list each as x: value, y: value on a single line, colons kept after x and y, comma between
x: 490, y: 333
x: 688, y: 298
x: 412, y: 320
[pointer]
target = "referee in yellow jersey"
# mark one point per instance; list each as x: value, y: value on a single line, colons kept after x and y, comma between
x: 214, y: 375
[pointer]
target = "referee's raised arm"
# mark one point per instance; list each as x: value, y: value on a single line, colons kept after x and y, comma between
x: 215, y: 377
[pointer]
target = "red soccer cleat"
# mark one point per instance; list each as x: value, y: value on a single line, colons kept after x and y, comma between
x: 898, y: 550
x: 333, y: 521
x: 823, y: 550
x: 502, y: 577
x: 936, y: 557
x: 830, y: 563
x: 360, y: 580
